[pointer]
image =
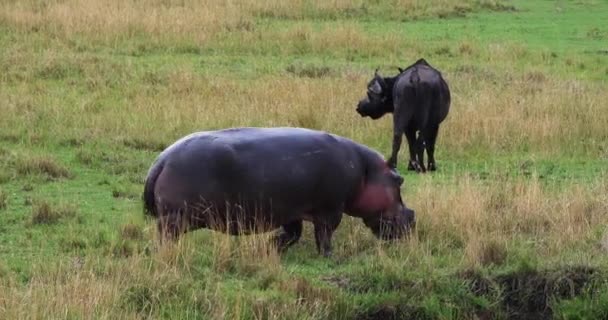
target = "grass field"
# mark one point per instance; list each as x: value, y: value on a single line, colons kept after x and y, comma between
x: 513, y: 225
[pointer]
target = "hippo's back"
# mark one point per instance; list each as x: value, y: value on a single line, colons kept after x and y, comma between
x: 285, y: 173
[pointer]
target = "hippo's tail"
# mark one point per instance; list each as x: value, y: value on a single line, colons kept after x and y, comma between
x: 148, y: 196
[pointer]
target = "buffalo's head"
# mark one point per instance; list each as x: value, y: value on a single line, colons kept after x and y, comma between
x: 379, y: 100
x: 381, y: 207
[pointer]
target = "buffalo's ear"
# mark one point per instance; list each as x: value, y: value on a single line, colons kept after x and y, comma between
x: 379, y: 81
x: 379, y: 78
x: 376, y: 87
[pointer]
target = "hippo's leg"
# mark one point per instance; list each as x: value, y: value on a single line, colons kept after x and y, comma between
x: 431, y: 137
x: 325, y: 226
x: 290, y: 234
x: 166, y: 230
x: 410, y: 134
x: 171, y: 225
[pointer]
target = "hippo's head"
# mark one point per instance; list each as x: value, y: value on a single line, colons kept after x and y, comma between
x: 380, y: 206
x: 379, y: 100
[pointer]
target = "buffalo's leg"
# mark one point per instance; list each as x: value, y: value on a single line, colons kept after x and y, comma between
x: 431, y: 137
x: 420, y: 143
x: 410, y: 134
x: 290, y: 234
x: 324, y: 229
x: 397, y: 139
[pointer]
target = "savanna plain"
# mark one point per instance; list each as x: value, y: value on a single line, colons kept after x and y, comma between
x: 514, y: 224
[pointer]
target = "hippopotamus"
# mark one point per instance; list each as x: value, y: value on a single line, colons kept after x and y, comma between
x: 253, y: 180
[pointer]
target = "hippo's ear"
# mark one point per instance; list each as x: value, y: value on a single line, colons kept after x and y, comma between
x: 400, y: 70
x: 396, y: 178
x: 399, y: 180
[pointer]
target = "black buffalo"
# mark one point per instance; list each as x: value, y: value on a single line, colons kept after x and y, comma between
x: 249, y: 180
x: 419, y: 99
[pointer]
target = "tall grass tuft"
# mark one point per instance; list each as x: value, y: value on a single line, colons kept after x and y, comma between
x: 42, y: 165
x: 3, y: 199
x: 45, y: 213
x: 480, y: 220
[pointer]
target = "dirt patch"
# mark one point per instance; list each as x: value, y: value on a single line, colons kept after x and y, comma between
x: 528, y: 294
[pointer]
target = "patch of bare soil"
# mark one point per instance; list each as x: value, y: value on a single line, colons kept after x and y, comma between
x: 519, y: 295
x: 528, y: 294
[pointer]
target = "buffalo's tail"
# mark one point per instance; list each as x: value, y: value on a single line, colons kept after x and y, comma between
x: 148, y: 196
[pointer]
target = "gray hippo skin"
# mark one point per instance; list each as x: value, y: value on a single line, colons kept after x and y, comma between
x: 251, y: 180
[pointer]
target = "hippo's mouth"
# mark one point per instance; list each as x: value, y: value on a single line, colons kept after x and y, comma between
x: 390, y: 230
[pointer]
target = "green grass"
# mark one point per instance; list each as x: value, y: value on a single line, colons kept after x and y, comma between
x: 510, y: 225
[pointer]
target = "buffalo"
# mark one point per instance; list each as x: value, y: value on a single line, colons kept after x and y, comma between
x: 251, y: 180
x: 419, y: 99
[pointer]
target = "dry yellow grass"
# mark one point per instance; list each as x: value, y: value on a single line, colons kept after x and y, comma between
x: 137, y: 286
x: 547, y: 116
x: 199, y: 20
x: 71, y: 290
x: 59, y: 84
x: 482, y: 221
x: 111, y: 20
x: 484, y: 218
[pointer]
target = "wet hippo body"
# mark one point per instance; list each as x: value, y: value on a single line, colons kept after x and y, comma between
x: 250, y: 180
